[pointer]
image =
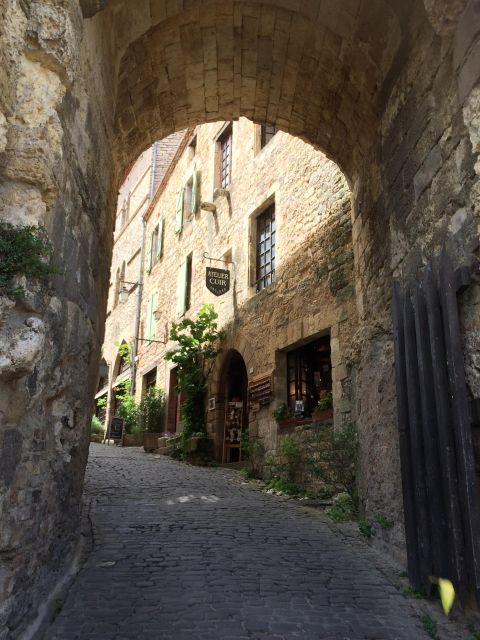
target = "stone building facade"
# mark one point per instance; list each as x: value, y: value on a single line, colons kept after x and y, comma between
x: 388, y: 89
x: 275, y: 324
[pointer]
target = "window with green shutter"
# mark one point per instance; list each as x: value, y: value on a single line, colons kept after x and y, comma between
x: 151, y: 309
x: 148, y: 253
x: 179, y: 212
x: 159, y: 241
x: 195, y: 194
x: 184, y: 287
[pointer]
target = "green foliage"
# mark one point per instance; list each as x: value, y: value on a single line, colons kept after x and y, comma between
x: 384, y: 522
x: 364, y: 528
x: 474, y: 632
x: 253, y: 452
x: 326, y: 402
x: 408, y: 592
x: 335, y: 458
x: 195, y: 353
x: 284, y: 485
x: 128, y: 407
x: 342, y: 509
x: 282, y: 412
x: 429, y: 626
x: 177, y: 447
x: 125, y: 349
x: 151, y: 410
x: 102, y: 402
x: 96, y: 426
x: 24, y: 251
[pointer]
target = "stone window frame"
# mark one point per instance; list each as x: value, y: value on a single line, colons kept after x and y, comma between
x: 226, y: 131
x: 252, y: 244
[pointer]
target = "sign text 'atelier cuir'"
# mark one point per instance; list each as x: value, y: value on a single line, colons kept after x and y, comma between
x: 218, y: 280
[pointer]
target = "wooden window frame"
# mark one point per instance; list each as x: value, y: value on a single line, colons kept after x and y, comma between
x: 224, y: 156
x: 262, y: 259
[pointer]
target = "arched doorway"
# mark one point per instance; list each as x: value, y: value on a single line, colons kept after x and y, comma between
x: 234, y: 419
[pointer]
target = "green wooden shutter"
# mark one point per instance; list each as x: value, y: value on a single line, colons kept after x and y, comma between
x: 149, y: 319
x: 179, y: 212
x: 148, y: 255
x: 182, y: 289
x: 159, y: 247
x: 152, y: 307
x: 194, y: 191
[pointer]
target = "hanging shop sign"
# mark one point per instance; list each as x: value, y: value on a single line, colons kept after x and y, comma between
x: 218, y: 280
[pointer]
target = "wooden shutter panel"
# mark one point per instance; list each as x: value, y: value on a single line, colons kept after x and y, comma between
x: 179, y: 212
x: 194, y: 191
x: 182, y: 288
x: 148, y: 255
x: 152, y: 306
x: 159, y: 247
x: 149, y: 319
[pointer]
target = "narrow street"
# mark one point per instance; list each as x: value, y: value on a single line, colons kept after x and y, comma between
x: 183, y: 553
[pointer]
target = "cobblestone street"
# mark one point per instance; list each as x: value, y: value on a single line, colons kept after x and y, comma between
x: 184, y: 553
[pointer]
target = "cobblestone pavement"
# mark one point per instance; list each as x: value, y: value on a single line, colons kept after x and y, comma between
x: 183, y: 553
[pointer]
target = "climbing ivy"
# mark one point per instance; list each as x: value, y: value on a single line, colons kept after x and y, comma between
x: 24, y: 251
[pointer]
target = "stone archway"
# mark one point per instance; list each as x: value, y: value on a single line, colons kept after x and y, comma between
x: 381, y: 86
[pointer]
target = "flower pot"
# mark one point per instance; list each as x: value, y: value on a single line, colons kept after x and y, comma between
x: 322, y: 415
x: 132, y: 439
x: 150, y: 441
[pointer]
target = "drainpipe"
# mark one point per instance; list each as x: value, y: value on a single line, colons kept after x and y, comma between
x: 140, y: 275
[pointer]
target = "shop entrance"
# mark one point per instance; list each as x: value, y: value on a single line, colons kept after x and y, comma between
x: 234, y: 384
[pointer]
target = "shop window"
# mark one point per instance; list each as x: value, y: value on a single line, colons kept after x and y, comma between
x: 265, y: 248
x: 267, y: 131
x: 309, y: 375
x: 225, y: 144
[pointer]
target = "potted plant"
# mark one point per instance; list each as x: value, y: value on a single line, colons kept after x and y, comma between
x: 286, y: 418
x: 151, y: 412
x: 324, y: 409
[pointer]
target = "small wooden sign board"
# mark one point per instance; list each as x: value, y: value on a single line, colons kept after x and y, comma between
x: 260, y: 390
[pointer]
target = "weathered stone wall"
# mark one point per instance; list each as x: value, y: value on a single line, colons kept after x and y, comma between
x: 388, y: 90
x: 54, y: 171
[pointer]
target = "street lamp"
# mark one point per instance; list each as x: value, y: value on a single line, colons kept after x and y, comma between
x: 124, y: 291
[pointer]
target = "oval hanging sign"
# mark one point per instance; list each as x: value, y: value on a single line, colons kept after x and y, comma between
x: 218, y: 280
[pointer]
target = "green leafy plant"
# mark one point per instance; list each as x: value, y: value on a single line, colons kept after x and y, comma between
x: 24, y: 251
x: 384, y: 522
x: 364, y: 528
x: 342, y: 509
x: 284, y: 485
x: 101, y: 402
x: 151, y: 410
x: 474, y: 632
x: 429, y: 626
x: 195, y: 353
x: 128, y: 408
x: 125, y: 349
x: 326, y: 402
x: 335, y: 457
x: 253, y: 452
x: 96, y: 427
x: 282, y: 412
x: 408, y: 592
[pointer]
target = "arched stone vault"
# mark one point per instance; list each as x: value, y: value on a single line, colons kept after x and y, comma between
x: 389, y: 89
